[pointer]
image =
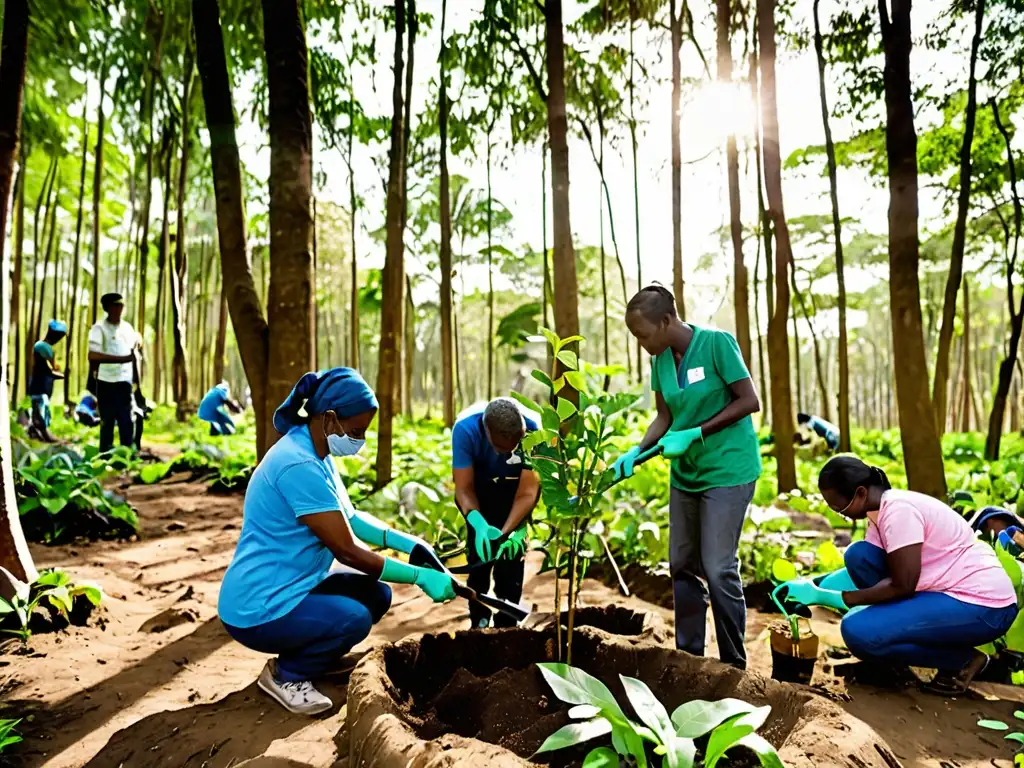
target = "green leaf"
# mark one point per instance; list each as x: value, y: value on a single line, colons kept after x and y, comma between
x: 695, y: 718
x: 993, y: 725
x: 783, y: 571
x: 569, y: 340
x: 53, y: 506
x: 549, y: 419
x: 533, y: 439
x: 552, y: 338
x: 576, y: 380
x: 574, y: 686
x: 647, y: 707
x: 1019, y: 714
x: 91, y: 592
x: 723, y: 737
x: 584, y: 712
x: 27, y: 505
x: 602, y: 757
x: 568, y: 359
x: 154, y: 473
x: 828, y: 557
x: 59, y: 598
x: 525, y: 401
x: 566, y: 410
x: 627, y: 741
x: 542, y: 378
x: 53, y: 578
x: 575, y: 733
x: 1017, y: 736
x: 1010, y: 565
x: 765, y: 752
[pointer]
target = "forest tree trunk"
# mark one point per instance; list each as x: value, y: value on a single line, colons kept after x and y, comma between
x: 75, y: 263
x: 778, y: 342
x: 830, y: 153
x: 393, y: 282
x: 447, y: 383
x: 676, y: 24
x: 19, y: 252
x: 179, y: 274
x: 290, y: 300
x: 922, y: 451
x: 238, y: 292
x: 97, y: 192
x: 956, y: 258
x: 14, y: 554
x: 567, y: 322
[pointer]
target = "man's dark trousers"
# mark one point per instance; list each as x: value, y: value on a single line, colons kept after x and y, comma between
x: 496, y: 498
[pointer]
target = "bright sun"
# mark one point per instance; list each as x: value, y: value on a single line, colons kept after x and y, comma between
x: 715, y: 111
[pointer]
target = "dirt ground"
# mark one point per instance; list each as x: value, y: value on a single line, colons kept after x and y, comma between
x: 157, y: 682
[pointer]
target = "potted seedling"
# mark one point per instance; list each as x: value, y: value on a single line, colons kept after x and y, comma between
x: 793, y: 642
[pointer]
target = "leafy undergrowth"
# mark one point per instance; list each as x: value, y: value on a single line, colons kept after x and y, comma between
x: 50, y: 603
x: 61, y: 496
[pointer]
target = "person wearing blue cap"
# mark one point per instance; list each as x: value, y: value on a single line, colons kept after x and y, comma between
x: 45, y: 371
x: 211, y: 409
x: 279, y: 595
x: 87, y: 410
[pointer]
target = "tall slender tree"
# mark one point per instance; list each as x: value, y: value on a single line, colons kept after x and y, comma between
x: 837, y: 230
x: 76, y: 266
x: 179, y: 271
x: 956, y: 258
x: 778, y: 341
x: 921, y: 449
x: 97, y: 191
x: 676, y: 33
x: 447, y: 382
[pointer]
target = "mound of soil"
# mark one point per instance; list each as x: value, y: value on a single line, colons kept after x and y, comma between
x: 477, y: 698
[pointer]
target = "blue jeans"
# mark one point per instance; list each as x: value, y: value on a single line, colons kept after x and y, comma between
x: 221, y: 424
x: 929, y: 629
x: 326, y: 625
x: 704, y: 535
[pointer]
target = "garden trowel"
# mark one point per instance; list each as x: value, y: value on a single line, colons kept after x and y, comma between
x: 517, y: 611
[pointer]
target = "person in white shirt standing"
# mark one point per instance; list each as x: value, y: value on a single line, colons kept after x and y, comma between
x: 112, y: 348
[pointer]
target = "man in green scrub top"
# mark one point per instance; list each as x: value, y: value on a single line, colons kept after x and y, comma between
x: 705, y: 400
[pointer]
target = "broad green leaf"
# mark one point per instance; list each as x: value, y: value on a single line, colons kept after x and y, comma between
x: 723, y: 737
x: 566, y: 410
x: 525, y: 401
x: 575, y: 733
x: 549, y: 419
x: 576, y: 380
x: 627, y: 741
x: 1014, y: 637
x: 542, y: 378
x: 602, y: 757
x: 27, y: 505
x: 1018, y: 737
x: 647, y: 707
x: 828, y: 557
x: 558, y: 385
x: 574, y: 686
x: 695, y: 718
x: 154, y: 473
x: 53, y: 578
x: 92, y: 593
x: 584, y: 712
x: 568, y: 359
x: 765, y: 752
x: 532, y: 439
x: 53, y: 506
x: 1018, y: 714
x: 59, y: 598
x: 993, y: 725
x: 552, y: 338
x: 783, y: 571
x: 680, y: 752
x: 569, y: 340
x: 1010, y: 565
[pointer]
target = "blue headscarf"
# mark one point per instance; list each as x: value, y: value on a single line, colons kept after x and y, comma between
x: 341, y: 390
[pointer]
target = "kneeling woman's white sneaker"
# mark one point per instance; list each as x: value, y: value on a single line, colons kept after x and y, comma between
x: 302, y: 698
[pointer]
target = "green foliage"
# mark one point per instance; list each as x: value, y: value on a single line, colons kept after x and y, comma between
x: 716, y: 726
x: 54, y: 591
x: 8, y: 736
x: 61, y: 496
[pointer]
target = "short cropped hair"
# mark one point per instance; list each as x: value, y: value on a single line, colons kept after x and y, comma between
x: 503, y: 419
x: 653, y: 302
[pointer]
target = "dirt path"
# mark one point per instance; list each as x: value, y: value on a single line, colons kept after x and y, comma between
x: 161, y: 684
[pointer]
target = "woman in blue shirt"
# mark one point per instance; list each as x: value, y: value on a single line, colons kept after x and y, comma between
x: 278, y: 595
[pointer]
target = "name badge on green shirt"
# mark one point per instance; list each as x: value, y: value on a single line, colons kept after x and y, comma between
x: 695, y: 391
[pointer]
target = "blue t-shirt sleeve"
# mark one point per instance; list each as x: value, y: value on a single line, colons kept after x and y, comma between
x: 44, y: 350
x: 463, y: 445
x: 308, y: 489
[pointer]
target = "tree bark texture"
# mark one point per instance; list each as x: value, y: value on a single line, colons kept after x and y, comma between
x: 447, y: 381
x: 676, y: 24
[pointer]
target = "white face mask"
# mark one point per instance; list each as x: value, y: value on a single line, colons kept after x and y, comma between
x: 344, y: 445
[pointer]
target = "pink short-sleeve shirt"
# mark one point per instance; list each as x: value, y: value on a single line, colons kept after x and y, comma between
x: 952, y: 560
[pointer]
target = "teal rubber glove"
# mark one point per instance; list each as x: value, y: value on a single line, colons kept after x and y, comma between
x: 484, y: 533
x: 623, y: 466
x: 676, y: 443
x: 437, y: 584
x: 514, y: 546
x: 806, y: 592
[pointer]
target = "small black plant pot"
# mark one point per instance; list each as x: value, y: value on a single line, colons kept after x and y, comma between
x: 793, y: 659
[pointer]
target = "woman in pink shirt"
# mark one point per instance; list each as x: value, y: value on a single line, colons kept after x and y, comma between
x: 920, y: 589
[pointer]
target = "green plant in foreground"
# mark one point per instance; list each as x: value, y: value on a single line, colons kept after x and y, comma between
x: 568, y: 453
x: 727, y: 723
x: 53, y: 588
x: 8, y: 736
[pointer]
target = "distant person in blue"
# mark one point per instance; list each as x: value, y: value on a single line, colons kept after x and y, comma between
x: 45, y: 371
x: 279, y: 595
x: 211, y: 409
x: 823, y: 429
x: 496, y: 490
x: 87, y: 410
